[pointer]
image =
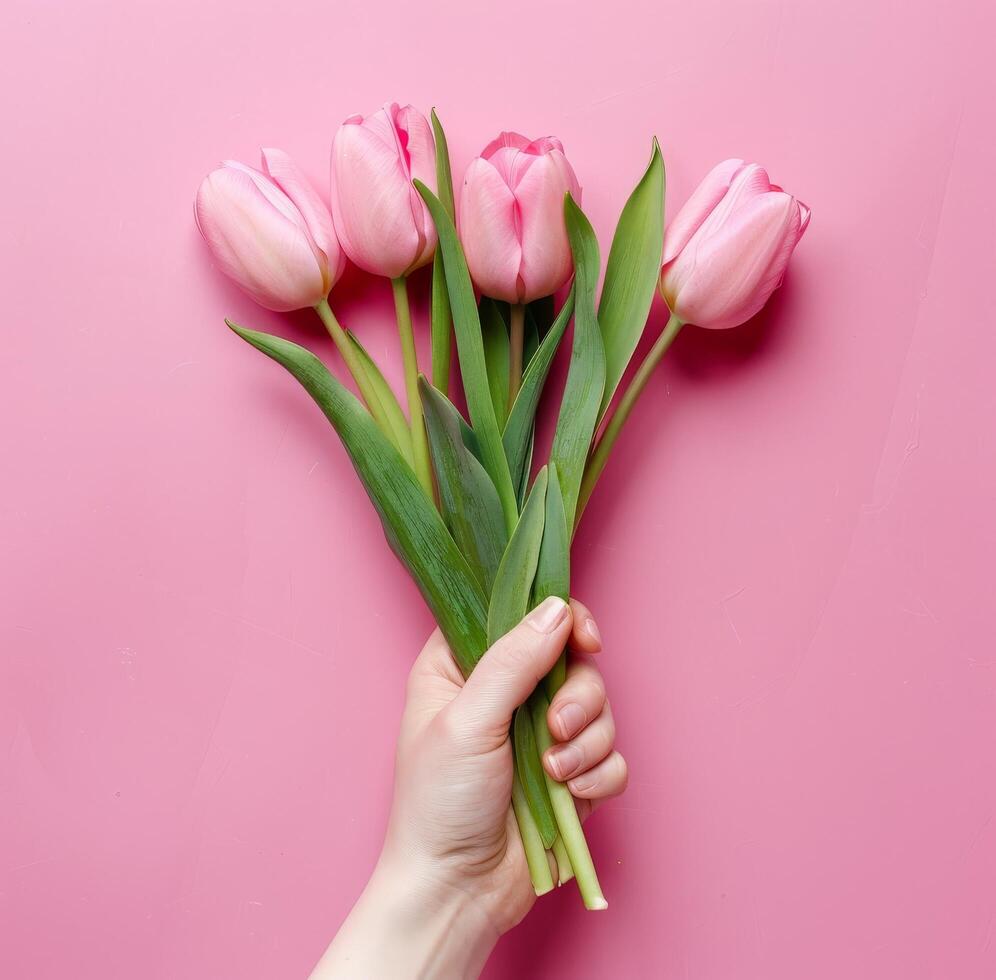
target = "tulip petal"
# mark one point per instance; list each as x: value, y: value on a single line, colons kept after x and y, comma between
x: 420, y: 156
x: 487, y: 218
x: 318, y: 219
x: 371, y: 206
x: 737, y: 269
x: 267, y: 253
x: 546, y: 252
x: 698, y: 207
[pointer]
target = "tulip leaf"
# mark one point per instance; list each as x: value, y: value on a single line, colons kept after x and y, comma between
x: 519, y: 427
x: 470, y: 346
x: 469, y: 501
x: 412, y: 526
x: 631, y: 274
x: 586, y: 376
x: 530, y: 770
x: 494, y: 333
x: 514, y: 581
x: 527, y: 468
x: 440, y: 320
x: 395, y: 416
x: 553, y: 570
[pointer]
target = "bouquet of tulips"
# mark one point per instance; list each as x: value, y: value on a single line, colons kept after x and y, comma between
x: 484, y: 532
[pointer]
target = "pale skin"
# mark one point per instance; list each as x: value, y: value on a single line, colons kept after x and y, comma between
x: 452, y: 877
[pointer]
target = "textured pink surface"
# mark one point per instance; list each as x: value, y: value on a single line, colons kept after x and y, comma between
x: 205, y: 639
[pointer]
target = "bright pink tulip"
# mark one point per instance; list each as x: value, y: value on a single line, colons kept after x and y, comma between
x: 382, y: 221
x: 726, y: 251
x: 512, y: 218
x: 270, y: 232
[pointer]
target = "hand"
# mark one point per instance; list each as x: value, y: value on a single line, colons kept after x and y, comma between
x: 452, y: 876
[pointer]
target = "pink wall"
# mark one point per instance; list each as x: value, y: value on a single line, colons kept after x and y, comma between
x: 205, y: 639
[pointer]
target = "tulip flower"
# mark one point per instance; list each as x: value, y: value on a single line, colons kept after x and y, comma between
x: 512, y: 225
x: 726, y: 251
x: 383, y: 224
x: 270, y: 232
x: 724, y: 254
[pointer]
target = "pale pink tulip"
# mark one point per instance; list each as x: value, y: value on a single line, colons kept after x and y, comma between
x: 382, y: 221
x: 270, y: 232
x: 512, y: 218
x: 726, y: 251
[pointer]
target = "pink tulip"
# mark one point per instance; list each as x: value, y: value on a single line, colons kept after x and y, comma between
x: 512, y: 218
x: 383, y: 223
x: 270, y: 232
x: 726, y: 251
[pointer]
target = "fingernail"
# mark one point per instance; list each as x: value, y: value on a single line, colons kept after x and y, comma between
x: 582, y: 784
x: 571, y: 718
x: 592, y: 630
x: 565, y: 760
x: 548, y: 615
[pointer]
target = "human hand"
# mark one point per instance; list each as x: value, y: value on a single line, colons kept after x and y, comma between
x: 452, y: 875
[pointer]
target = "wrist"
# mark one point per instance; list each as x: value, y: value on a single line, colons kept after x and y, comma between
x: 409, y: 924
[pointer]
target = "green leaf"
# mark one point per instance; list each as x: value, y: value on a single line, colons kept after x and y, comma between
x: 440, y: 320
x: 586, y: 375
x: 553, y: 570
x: 514, y: 581
x: 519, y: 427
x: 631, y: 274
x: 469, y: 501
x: 473, y: 369
x: 527, y: 468
x: 395, y: 416
x: 530, y: 770
x: 494, y: 333
x: 411, y: 524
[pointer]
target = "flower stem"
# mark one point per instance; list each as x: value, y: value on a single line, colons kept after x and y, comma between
x: 567, y: 816
x: 516, y: 331
x: 356, y: 369
x: 420, y: 443
x: 532, y: 843
x: 600, y: 455
x: 564, y: 870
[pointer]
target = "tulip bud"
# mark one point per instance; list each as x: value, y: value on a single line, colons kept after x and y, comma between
x: 512, y: 218
x: 726, y: 251
x: 382, y: 221
x: 270, y: 232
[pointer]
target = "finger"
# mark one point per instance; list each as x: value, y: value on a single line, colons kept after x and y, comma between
x: 580, y: 754
x: 603, y: 781
x: 580, y: 699
x: 585, y: 637
x: 507, y: 674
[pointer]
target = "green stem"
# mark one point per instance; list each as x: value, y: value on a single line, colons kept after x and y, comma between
x: 567, y: 816
x: 440, y: 328
x: 564, y: 870
x: 420, y: 442
x: 516, y: 340
x: 600, y: 456
x: 532, y: 843
x: 356, y: 369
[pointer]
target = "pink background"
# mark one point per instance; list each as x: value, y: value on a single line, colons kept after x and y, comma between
x: 205, y: 638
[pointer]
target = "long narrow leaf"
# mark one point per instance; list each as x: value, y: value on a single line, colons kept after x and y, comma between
x: 631, y: 274
x: 473, y: 370
x: 494, y: 333
x: 440, y: 320
x: 586, y: 375
x: 519, y: 427
x: 470, y: 503
x: 411, y: 524
x: 530, y: 770
x: 553, y: 570
x: 514, y: 581
x: 395, y: 416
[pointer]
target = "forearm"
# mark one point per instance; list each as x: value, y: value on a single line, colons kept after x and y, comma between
x: 403, y: 929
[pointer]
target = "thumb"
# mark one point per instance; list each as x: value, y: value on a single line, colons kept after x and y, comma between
x: 507, y: 674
